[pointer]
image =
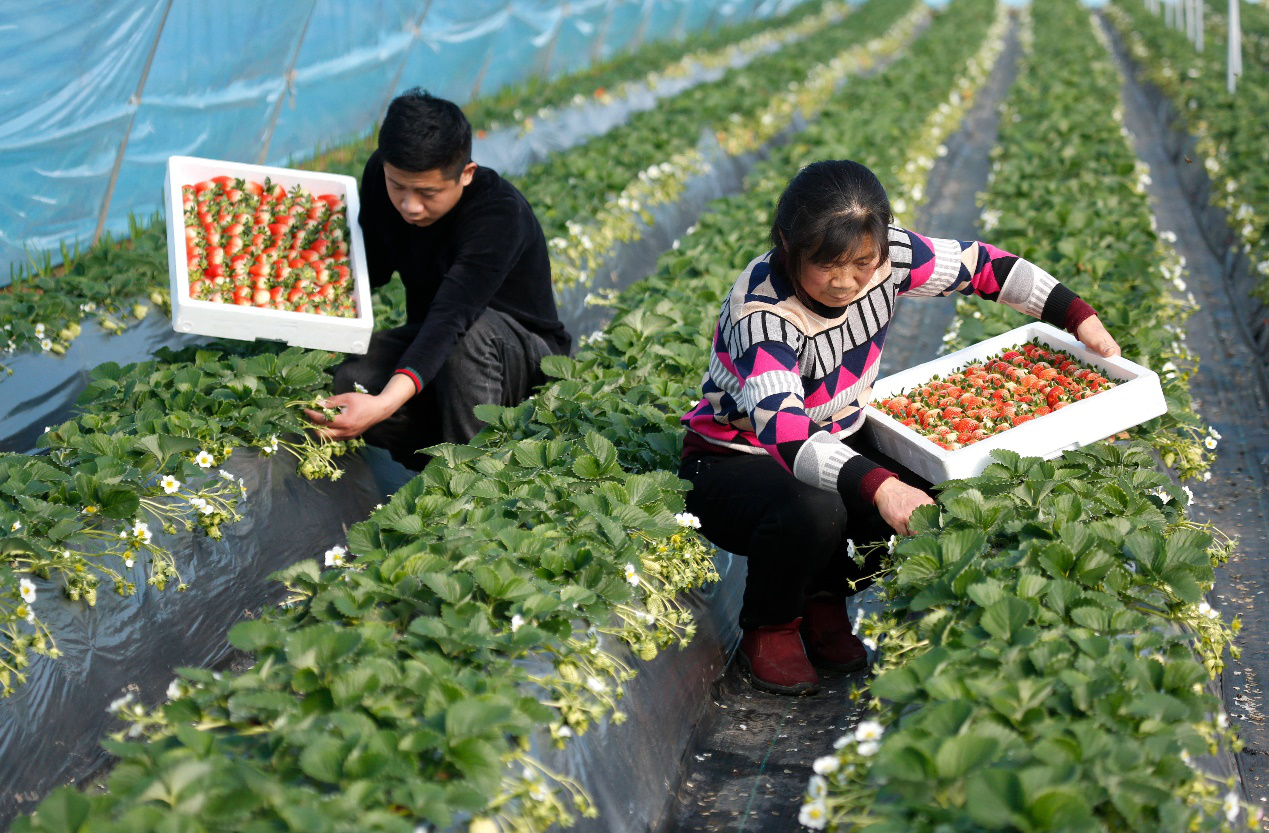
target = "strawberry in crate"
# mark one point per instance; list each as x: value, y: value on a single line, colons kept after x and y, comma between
x: 257, y: 244
x: 994, y: 395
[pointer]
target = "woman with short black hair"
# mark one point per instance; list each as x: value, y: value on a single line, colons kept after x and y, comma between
x: 779, y: 470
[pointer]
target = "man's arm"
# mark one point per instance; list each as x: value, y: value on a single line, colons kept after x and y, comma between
x: 360, y: 411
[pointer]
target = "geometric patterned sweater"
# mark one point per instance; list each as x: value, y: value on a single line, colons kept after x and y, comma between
x: 791, y: 381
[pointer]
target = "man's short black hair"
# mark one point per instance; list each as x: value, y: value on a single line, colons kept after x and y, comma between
x: 422, y: 133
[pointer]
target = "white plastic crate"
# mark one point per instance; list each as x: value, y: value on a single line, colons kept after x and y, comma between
x: 1136, y: 397
x: 318, y: 332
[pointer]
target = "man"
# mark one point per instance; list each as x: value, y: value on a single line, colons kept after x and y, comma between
x: 480, y: 311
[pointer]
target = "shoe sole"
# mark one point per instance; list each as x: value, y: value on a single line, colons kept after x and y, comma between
x: 799, y: 690
x: 829, y: 665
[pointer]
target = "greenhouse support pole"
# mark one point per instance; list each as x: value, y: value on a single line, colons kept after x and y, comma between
x: 416, y: 31
x: 484, y: 67
x: 549, y: 55
x: 288, y: 81
x: 135, y: 101
x: 1198, y: 28
x: 597, y: 48
x: 1234, y: 57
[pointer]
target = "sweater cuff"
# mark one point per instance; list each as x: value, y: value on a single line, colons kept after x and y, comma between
x: 1076, y: 314
x: 412, y: 376
x: 859, y: 480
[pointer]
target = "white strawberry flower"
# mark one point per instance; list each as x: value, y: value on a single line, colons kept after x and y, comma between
x: 632, y: 576
x: 15, y: 526
x: 1231, y: 806
x: 335, y: 556
x: 687, y: 519
x: 843, y: 742
x: 26, y: 589
x: 870, y: 643
x: 39, y: 331
x: 596, y: 685
x: 359, y: 387
x: 226, y: 475
x: 176, y: 689
x: 826, y: 765
x: 198, y: 503
x: 1189, y: 494
x: 561, y: 731
x: 890, y: 544
x: 46, y: 344
x: 869, y: 730
x: 204, y: 460
x: 814, y: 814
x: 116, y: 705
x: 128, y: 560
x: 141, y: 531
x: 1185, y: 756
x: 170, y: 484
x: 816, y: 787
x: 1222, y: 720
x: 869, y: 748
x: 517, y: 622
x: 1210, y: 442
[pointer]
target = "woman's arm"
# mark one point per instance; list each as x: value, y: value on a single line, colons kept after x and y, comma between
x: 937, y: 266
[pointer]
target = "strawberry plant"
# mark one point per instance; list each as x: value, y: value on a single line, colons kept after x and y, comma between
x: 255, y: 244
x: 145, y: 463
x: 994, y: 395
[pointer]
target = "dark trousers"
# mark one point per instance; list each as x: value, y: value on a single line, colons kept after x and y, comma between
x: 497, y: 361
x: 793, y: 535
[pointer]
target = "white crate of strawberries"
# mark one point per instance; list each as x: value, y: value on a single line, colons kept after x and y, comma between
x: 258, y: 252
x: 1034, y: 390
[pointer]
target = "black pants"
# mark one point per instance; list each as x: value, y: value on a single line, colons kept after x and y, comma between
x: 497, y: 361
x: 793, y: 535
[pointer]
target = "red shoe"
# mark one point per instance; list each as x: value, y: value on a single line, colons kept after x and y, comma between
x: 777, y: 661
x: 826, y: 630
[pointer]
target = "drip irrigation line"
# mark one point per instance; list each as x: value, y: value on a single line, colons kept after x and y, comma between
x: 762, y: 767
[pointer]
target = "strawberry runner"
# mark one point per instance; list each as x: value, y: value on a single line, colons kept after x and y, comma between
x: 790, y: 379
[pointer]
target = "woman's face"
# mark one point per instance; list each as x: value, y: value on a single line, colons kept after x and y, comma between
x: 842, y: 282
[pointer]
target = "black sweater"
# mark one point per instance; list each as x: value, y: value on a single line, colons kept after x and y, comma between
x: 488, y: 251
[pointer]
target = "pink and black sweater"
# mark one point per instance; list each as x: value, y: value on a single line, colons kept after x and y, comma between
x: 791, y: 380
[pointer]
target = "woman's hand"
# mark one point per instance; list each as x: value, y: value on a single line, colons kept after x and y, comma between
x: 1095, y: 337
x: 895, y: 500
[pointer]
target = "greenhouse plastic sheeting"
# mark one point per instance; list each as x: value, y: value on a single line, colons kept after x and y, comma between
x: 51, y: 728
x: 97, y: 95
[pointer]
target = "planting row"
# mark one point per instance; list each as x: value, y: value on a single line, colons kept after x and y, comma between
x: 385, y: 693
x: 1228, y: 127
x: 1084, y: 214
x: 117, y: 282
x: 1036, y: 656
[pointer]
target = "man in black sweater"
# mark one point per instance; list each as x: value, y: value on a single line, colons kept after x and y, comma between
x: 480, y: 311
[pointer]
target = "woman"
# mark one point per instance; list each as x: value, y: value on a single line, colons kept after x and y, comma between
x: 779, y: 471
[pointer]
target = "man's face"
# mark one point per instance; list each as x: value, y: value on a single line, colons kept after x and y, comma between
x: 423, y: 198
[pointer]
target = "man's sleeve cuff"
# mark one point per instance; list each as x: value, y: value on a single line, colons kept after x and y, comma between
x: 413, y: 377
x: 860, y: 478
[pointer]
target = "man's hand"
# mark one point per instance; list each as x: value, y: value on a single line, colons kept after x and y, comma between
x: 895, y: 500
x: 1094, y: 335
x: 359, y: 412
